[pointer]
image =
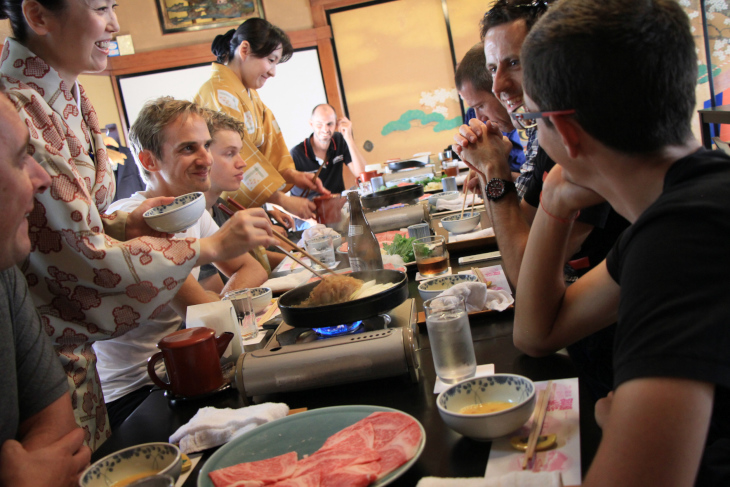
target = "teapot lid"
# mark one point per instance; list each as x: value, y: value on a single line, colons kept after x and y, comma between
x: 186, y: 337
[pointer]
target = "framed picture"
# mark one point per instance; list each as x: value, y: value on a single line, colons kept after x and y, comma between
x: 189, y: 15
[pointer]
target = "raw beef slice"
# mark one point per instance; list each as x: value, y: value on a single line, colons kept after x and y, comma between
x: 266, y: 472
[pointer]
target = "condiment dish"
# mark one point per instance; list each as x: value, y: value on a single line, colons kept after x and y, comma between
x: 433, y: 287
x: 178, y: 216
x: 510, y: 388
x: 132, y: 463
x: 456, y: 224
x: 260, y: 298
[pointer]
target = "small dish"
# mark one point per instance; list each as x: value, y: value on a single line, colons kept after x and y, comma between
x: 260, y: 298
x: 178, y: 216
x: 134, y: 463
x: 433, y: 287
x: 510, y: 388
x: 455, y: 224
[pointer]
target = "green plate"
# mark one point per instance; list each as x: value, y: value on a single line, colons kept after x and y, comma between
x: 304, y: 433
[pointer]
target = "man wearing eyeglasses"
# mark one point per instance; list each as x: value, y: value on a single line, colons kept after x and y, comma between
x: 625, y: 135
x: 504, y: 29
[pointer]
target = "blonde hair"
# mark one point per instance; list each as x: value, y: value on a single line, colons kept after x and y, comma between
x: 218, y: 121
x: 147, y: 131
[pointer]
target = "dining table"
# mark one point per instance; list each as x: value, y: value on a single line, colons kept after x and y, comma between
x: 446, y: 452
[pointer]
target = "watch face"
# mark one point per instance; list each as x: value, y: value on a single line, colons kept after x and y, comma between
x: 495, y: 188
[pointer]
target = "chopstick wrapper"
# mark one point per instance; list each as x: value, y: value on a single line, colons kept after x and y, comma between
x: 286, y: 283
x: 513, y: 479
x: 456, y: 203
x: 221, y: 317
x: 477, y: 297
x: 487, y: 232
x: 213, y: 427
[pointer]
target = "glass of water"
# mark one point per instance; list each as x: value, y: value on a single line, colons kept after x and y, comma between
x: 323, y: 249
x: 241, y: 301
x: 450, y: 337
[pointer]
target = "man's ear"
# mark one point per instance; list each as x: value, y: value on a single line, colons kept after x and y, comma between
x: 149, y: 161
x: 570, y: 132
x: 37, y: 17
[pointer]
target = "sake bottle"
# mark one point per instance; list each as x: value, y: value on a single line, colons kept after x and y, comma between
x: 363, y: 249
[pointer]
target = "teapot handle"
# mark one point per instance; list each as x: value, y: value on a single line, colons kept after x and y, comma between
x: 153, y: 373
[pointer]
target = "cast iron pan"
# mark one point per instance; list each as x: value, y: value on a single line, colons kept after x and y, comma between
x: 343, y: 313
x: 392, y: 196
x: 397, y: 166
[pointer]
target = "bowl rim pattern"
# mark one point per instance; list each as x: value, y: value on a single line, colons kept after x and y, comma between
x: 99, y: 468
x: 443, y: 397
x: 197, y: 196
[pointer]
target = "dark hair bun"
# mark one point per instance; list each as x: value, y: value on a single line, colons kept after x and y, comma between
x: 221, y: 45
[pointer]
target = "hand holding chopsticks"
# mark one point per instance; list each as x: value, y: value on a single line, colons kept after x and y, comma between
x: 314, y: 179
x: 311, y: 258
x: 540, y: 411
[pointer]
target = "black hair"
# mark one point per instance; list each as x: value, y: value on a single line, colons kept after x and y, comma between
x: 627, y: 67
x: 473, y: 69
x: 13, y: 10
x: 506, y: 11
x: 263, y: 37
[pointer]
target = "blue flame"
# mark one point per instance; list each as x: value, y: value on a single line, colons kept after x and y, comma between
x: 339, y: 329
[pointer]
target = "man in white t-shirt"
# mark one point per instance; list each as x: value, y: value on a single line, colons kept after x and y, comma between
x: 172, y: 150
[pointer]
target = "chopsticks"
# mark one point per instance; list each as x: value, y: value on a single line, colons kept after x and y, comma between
x: 313, y: 259
x: 537, y: 423
x: 238, y: 206
x: 478, y: 272
x: 316, y: 175
x: 301, y: 262
x: 466, y: 193
x: 269, y: 312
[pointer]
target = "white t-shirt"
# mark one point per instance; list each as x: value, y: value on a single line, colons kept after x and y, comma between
x: 122, y: 361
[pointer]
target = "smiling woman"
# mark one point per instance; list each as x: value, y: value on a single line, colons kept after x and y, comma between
x: 87, y: 277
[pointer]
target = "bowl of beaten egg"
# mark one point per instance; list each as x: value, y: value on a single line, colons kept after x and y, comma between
x: 486, y: 408
x: 132, y: 464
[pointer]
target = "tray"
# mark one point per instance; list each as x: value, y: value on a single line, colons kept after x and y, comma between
x: 476, y: 243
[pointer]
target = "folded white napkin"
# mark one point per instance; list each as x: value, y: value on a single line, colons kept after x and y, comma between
x: 213, y: 427
x: 512, y: 479
x: 317, y: 231
x: 477, y: 297
x: 289, y: 281
x: 456, y: 203
x: 487, y: 232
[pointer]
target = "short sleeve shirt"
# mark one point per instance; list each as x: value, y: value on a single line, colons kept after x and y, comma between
x: 305, y: 161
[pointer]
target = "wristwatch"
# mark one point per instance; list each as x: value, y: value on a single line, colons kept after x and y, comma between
x: 497, y: 188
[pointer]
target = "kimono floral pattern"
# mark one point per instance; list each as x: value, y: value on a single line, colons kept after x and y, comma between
x: 86, y: 282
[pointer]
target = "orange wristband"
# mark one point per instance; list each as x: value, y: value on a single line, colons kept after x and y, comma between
x: 561, y: 220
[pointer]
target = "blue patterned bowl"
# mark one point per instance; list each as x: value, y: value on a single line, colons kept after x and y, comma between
x: 260, y: 298
x: 455, y: 224
x: 433, y: 287
x: 511, y: 388
x: 150, y: 458
x: 178, y: 216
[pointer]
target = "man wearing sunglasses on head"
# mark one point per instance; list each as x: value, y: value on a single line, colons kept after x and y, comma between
x: 504, y: 29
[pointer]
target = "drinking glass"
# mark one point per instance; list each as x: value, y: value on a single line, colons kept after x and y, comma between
x: 241, y: 301
x: 449, y: 183
x: 450, y: 337
x: 432, y: 258
x: 323, y: 249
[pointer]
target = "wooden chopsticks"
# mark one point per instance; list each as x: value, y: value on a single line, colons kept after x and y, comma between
x: 313, y: 259
x: 301, y: 263
x: 540, y: 412
x: 466, y: 193
x: 316, y: 175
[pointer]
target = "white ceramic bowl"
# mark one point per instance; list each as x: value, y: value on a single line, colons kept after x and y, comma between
x: 178, y: 216
x: 498, y: 387
x: 447, y: 195
x: 155, y: 458
x: 433, y: 287
x: 456, y: 224
x: 260, y: 298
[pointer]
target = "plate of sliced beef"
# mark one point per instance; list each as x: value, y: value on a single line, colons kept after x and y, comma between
x: 346, y: 446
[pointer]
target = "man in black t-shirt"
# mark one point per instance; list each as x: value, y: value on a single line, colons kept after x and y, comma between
x: 330, y: 145
x: 612, y: 88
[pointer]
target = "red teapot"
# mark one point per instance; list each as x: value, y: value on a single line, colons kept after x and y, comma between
x: 192, y: 360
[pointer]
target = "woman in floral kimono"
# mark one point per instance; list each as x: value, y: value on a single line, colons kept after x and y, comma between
x: 90, y: 278
x: 247, y: 57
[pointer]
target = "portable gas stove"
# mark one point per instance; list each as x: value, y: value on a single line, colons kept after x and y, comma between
x: 303, y: 358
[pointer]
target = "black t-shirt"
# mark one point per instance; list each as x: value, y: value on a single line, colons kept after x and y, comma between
x: 331, y: 175
x: 673, y: 266
x: 607, y: 224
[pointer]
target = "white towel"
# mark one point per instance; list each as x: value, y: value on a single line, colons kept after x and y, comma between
x: 512, y: 479
x: 477, y: 297
x: 487, y: 232
x: 316, y: 231
x: 457, y: 203
x: 213, y: 427
x: 288, y: 282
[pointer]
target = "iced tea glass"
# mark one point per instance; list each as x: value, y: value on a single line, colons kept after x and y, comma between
x: 432, y: 258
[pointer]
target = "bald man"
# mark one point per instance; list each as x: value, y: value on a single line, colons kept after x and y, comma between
x: 330, y: 145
